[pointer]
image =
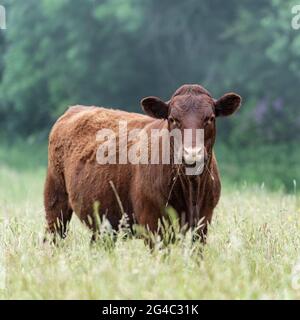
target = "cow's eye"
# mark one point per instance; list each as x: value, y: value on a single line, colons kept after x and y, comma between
x: 174, y: 121
x: 209, y: 120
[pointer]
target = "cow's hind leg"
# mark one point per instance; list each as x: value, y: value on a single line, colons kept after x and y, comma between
x: 93, y: 220
x: 58, y: 211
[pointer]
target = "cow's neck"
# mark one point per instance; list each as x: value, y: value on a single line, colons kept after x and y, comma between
x: 193, y: 188
x: 184, y: 192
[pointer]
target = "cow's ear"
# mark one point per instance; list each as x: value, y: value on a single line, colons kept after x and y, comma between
x: 154, y: 107
x: 227, y: 104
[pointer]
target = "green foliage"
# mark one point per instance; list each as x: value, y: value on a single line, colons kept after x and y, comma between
x: 113, y: 52
x: 23, y: 155
x: 63, y: 52
x: 276, y: 167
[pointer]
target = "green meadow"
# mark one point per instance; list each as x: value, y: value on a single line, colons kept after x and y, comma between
x: 252, y: 250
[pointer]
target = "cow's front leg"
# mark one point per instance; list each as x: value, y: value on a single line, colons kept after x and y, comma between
x: 202, y: 228
x: 147, y: 215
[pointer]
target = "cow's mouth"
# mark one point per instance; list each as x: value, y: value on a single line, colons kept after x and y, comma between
x: 190, y: 165
x: 200, y: 161
x: 194, y: 169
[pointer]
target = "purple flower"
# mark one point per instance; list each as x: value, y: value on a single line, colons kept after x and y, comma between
x: 260, y: 110
x: 278, y: 104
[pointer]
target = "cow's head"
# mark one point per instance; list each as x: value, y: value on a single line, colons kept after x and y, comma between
x: 192, y: 107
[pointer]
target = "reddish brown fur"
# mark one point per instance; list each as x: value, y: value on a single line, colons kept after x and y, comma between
x: 75, y: 181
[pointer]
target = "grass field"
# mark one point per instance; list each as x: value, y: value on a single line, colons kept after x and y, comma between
x: 252, y: 251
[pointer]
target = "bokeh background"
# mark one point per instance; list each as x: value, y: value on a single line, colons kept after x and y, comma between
x: 57, y: 53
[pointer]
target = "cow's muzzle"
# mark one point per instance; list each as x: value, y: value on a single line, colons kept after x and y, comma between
x: 193, y: 156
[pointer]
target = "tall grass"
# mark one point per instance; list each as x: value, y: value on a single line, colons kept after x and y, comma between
x: 252, y: 251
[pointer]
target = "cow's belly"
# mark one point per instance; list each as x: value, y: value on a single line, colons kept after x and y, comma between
x: 102, y: 189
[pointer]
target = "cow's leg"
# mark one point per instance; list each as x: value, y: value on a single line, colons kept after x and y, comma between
x: 93, y: 223
x: 58, y: 211
x: 202, y: 230
x: 149, y: 220
x: 146, y: 215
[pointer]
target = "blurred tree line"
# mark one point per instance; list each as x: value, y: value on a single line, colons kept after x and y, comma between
x: 56, y: 53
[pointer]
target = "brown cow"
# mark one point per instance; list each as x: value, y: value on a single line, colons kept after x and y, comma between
x: 76, y: 181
